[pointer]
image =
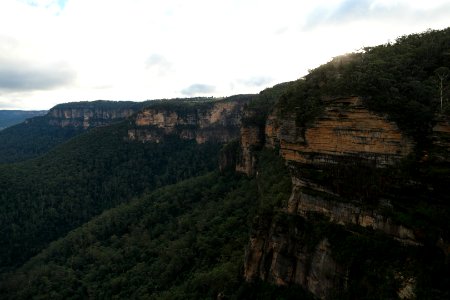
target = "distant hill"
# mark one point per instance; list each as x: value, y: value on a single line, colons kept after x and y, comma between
x: 42, y: 133
x: 38, y: 135
x: 12, y: 117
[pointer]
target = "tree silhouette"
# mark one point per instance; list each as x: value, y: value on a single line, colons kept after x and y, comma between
x: 442, y: 73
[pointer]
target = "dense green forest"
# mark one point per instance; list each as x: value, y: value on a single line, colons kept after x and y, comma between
x: 401, y: 80
x: 32, y: 139
x: 184, y: 241
x: 90, y: 214
x: 44, y: 198
x: 12, y: 117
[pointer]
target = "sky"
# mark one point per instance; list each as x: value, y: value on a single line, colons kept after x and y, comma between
x: 55, y: 51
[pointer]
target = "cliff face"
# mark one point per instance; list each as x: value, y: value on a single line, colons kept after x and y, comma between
x: 344, y: 140
x: 441, y: 137
x: 218, y: 122
x: 276, y: 255
x: 345, y: 130
x: 349, y: 135
x: 89, y: 116
x: 251, y: 139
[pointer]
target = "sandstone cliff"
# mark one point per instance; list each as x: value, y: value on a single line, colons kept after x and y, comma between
x: 345, y: 130
x: 216, y: 121
x: 345, y: 141
x: 90, y: 114
x: 347, y: 134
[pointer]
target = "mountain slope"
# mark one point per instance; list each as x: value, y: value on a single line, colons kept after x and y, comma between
x: 38, y: 135
x: 184, y: 241
x: 31, y: 139
x: 44, y: 198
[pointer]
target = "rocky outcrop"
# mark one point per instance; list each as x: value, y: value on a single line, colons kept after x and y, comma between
x: 345, y: 129
x: 347, y: 213
x: 280, y: 255
x: 347, y: 135
x: 214, y: 121
x: 90, y: 114
x: 251, y: 139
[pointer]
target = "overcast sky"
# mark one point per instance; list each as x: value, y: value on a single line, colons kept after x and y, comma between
x: 54, y: 51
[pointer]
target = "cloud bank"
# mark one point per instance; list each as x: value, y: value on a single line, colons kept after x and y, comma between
x: 54, y: 51
x: 19, y: 76
x: 198, y: 89
x: 395, y: 11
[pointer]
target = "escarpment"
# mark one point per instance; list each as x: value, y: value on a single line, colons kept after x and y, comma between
x: 345, y: 146
x: 345, y: 130
x: 340, y: 166
x: 217, y: 121
x: 90, y: 114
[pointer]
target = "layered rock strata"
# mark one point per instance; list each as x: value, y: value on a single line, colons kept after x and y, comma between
x: 218, y: 121
x: 87, y: 116
x: 346, y: 134
x: 345, y: 129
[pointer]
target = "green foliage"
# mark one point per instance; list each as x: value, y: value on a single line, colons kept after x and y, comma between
x: 184, y: 241
x: 100, y: 105
x: 44, y: 198
x: 264, y: 291
x: 262, y: 104
x: 376, y: 263
x: 396, y: 79
x: 31, y: 139
x: 274, y: 182
x: 302, y: 99
x: 38, y: 135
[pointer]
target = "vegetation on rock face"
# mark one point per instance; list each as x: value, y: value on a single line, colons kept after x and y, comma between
x: 262, y: 104
x: 402, y: 81
x: 397, y: 79
x: 406, y: 81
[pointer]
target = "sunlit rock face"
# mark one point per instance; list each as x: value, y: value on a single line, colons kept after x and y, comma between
x: 346, y: 129
x: 346, y: 135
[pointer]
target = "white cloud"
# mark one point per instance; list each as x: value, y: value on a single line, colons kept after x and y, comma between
x: 198, y: 89
x: 144, y: 49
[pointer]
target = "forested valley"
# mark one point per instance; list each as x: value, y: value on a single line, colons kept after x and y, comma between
x: 238, y: 197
